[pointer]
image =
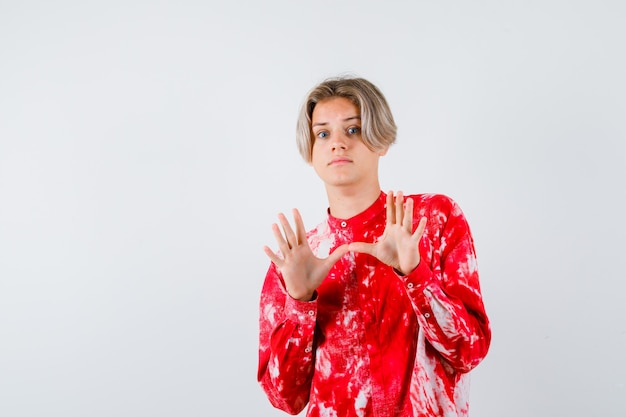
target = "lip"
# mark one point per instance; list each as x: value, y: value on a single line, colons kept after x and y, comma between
x: 340, y: 161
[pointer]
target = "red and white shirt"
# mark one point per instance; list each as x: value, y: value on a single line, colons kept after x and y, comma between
x: 372, y: 342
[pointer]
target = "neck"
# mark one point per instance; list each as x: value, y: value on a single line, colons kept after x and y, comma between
x: 345, y: 203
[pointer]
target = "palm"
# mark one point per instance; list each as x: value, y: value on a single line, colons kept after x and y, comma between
x: 398, y: 247
x: 302, y: 271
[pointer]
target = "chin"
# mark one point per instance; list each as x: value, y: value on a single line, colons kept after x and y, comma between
x: 339, y: 183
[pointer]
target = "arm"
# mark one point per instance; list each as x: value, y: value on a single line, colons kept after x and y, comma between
x: 286, y: 336
x: 288, y: 316
x: 446, y: 291
x: 437, y: 264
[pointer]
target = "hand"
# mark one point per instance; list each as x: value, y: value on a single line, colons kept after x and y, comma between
x: 398, y: 247
x: 302, y: 271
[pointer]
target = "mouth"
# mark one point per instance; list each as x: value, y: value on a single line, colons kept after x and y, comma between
x: 340, y: 161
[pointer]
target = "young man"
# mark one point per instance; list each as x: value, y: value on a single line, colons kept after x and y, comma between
x: 377, y: 311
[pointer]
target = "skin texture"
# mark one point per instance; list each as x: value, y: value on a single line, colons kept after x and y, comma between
x: 349, y: 170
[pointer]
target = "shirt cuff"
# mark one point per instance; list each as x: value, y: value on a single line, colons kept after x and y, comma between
x: 419, y: 285
x: 303, y: 312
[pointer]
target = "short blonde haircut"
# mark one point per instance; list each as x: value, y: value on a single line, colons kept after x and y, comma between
x: 378, y: 129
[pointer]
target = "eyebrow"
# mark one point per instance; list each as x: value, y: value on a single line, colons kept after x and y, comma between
x: 344, y: 120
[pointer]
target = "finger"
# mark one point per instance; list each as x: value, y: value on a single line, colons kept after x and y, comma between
x: 407, y: 220
x: 336, y: 255
x: 300, y: 230
x: 420, y: 228
x: 390, y: 208
x: 289, y: 234
x: 273, y: 257
x: 399, y: 207
x: 283, y: 245
x: 362, y: 247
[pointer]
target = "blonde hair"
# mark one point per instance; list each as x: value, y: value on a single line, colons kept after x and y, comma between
x: 378, y: 129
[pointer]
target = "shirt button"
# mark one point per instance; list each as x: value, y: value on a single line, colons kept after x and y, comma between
x: 344, y: 224
x: 307, y: 350
x: 427, y: 315
x: 410, y: 285
x: 311, y: 312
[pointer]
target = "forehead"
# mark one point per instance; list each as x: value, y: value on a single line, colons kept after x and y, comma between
x: 334, y: 109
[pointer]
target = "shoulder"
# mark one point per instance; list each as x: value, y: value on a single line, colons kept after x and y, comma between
x: 435, y: 203
x: 441, y: 210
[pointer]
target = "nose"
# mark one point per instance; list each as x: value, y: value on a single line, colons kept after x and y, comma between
x: 339, y: 141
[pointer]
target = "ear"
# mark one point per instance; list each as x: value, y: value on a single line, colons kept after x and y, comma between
x: 383, y: 151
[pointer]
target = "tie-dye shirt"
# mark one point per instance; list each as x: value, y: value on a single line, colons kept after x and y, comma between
x: 372, y: 342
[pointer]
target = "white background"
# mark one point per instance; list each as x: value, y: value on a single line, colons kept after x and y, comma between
x: 146, y: 147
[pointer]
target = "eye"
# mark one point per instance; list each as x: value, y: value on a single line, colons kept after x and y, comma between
x: 322, y: 134
x: 354, y: 130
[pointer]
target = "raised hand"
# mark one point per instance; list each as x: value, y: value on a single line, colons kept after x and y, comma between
x: 398, y: 247
x: 302, y: 271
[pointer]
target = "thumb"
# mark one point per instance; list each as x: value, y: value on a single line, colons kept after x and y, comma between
x: 336, y: 255
x: 362, y: 247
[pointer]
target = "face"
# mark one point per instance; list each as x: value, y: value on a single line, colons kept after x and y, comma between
x: 339, y: 156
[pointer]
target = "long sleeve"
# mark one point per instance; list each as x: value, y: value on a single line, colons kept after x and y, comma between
x: 445, y: 290
x: 374, y: 343
x: 286, y: 351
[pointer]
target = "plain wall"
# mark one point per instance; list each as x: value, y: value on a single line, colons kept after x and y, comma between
x: 146, y: 148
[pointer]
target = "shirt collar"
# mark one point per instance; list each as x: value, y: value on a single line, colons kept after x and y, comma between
x: 361, y: 219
